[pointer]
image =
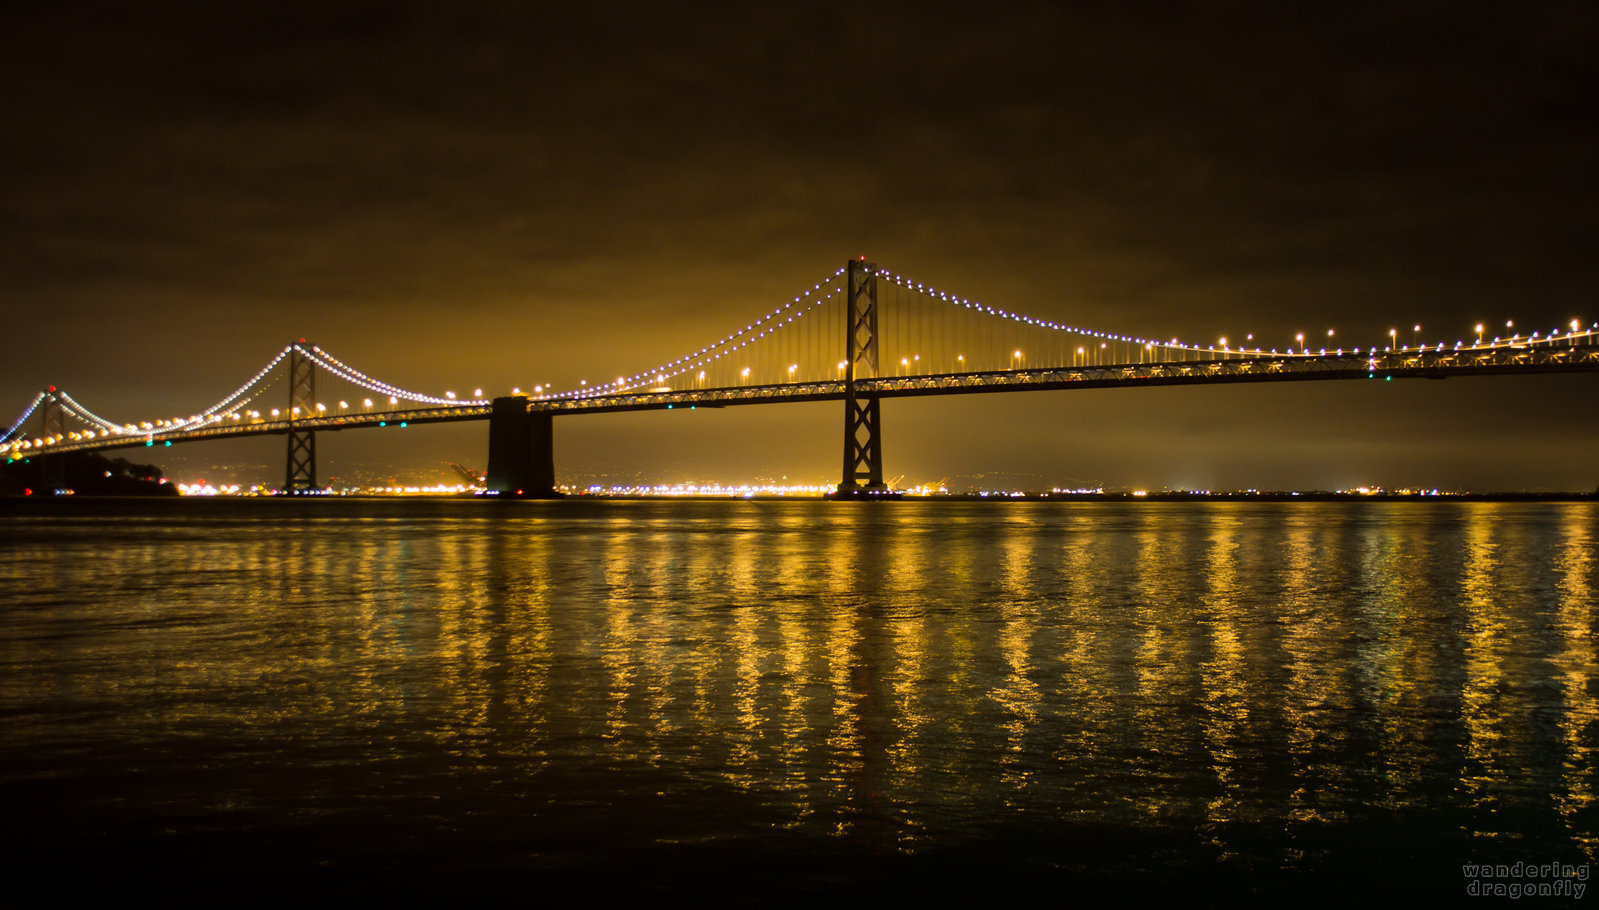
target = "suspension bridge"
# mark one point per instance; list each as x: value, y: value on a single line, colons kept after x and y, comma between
x: 861, y: 335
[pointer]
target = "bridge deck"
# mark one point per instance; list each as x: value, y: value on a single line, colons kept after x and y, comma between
x: 1542, y: 358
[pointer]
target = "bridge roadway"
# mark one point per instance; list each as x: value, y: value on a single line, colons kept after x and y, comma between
x: 1503, y: 359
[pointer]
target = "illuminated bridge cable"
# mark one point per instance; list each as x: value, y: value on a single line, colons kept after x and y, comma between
x: 351, y: 374
x: 77, y: 410
x: 766, y: 324
x: 1303, y: 350
x: 755, y: 330
x: 232, y: 399
x: 16, y: 425
x: 1019, y: 319
x: 227, y: 407
x: 216, y: 412
x: 370, y: 385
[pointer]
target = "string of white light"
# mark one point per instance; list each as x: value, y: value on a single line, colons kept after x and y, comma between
x: 956, y: 300
x: 822, y: 289
x: 17, y: 424
x: 224, y: 408
x: 261, y: 373
x: 84, y: 414
x: 1175, y: 345
x: 351, y: 374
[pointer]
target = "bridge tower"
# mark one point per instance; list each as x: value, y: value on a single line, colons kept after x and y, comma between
x: 863, y: 445
x: 53, y: 468
x: 300, y: 476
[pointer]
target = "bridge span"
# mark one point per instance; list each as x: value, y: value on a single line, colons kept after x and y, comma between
x: 935, y: 344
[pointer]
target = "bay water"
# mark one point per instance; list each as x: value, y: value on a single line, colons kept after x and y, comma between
x: 252, y: 701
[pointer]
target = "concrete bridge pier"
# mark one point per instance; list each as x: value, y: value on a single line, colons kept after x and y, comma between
x: 521, y: 450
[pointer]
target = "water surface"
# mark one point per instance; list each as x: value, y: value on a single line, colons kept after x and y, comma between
x: 1321, y: 701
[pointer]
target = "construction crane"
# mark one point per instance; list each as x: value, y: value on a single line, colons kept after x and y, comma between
x: 471, y: 477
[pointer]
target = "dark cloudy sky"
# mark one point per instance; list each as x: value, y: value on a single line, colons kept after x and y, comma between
x: 501, y: 194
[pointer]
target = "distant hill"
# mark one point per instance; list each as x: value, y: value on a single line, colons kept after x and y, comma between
x: 85, y: 474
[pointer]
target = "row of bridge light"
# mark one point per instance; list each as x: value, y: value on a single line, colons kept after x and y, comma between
x: 624, y: 384
x: 1150, y: 344
x: 160, y: 426
x: 176, y: 424
x: 229, y: 407
x: 82, y: 412
x: 957, y: 300
x: 28, y: 412
x: 259, y: 375
x: 660, y: 374
x: 673, y: 368
x: 345, y: 371
x: 676, y: 367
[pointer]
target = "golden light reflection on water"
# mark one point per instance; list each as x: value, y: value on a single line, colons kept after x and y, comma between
x: 1577, y: 671
x: 1409, y: 636
x: 1226, y: 700
x: 1085, y: 692
x: 1318, y: 633
x: 1487, y: 638
x: 887, y: 673
x: 1160, y: 663
x: 1016, y: 693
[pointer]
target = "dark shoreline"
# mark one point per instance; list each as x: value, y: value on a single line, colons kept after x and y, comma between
x: 1151, y: 497
x: 1276, y: 496
x: 1127, y: 497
